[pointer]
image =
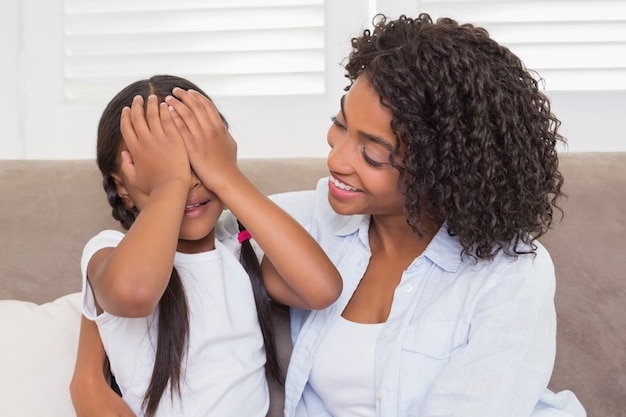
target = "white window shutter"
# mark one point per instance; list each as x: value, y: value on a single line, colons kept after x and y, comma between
x: 228, y: 47
x: 573, y: 45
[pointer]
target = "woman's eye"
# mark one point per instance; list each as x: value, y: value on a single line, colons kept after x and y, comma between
x: 337, y: 122
x: 369, y: 160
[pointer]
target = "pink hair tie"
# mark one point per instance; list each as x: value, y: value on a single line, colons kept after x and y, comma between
x: 243, y: 236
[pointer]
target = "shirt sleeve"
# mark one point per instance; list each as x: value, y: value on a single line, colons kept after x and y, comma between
x: 505, y: 366
x: 104, y: 239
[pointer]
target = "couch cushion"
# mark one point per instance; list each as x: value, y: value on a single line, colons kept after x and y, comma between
x: 588, y: 252
x: 38, y: 350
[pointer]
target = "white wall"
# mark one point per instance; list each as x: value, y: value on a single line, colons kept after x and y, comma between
x: 36, y: 123
x: 592, y: 120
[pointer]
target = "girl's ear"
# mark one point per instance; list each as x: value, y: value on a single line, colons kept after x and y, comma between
x: 123, y: 192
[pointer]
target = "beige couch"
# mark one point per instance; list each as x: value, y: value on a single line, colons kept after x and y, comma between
x: 50, y: 208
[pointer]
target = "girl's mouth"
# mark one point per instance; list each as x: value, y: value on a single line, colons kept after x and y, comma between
x: 195, y: 210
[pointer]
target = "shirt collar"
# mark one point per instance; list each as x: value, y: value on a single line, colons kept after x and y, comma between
x: 444, y: 250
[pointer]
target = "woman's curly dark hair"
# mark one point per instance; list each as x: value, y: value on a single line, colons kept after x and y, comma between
x: 479, y: 134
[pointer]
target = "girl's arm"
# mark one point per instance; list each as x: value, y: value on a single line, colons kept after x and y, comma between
x: 296, y: 270
x: 91, y: 395
x: 129, y: 280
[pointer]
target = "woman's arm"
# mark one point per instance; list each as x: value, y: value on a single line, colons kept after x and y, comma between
x: 296, y: 270
x: 90, y: 392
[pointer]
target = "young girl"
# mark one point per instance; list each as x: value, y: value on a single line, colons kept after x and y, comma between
x: 175, y: 308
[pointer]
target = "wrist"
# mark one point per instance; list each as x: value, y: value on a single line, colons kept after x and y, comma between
x: 222, y: 182
x: 171, y: 188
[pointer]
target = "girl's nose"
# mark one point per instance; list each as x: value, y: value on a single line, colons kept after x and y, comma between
x: 195, y: 181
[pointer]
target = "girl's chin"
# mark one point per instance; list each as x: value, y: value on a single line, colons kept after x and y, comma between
x: 196, y: 243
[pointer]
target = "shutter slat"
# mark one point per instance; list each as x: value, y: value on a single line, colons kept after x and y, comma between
x: 573, y: 45
x: 251, y: 47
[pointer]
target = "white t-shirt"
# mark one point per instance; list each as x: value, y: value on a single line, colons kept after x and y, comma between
x: 343, y: 373
x: 223, y: 372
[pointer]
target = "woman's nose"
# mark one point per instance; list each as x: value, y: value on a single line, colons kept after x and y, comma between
x: 340, y: 155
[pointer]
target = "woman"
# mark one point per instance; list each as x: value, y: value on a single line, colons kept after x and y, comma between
x: 443, y: 172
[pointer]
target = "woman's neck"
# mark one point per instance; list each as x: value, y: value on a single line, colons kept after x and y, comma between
x: 393, y: 235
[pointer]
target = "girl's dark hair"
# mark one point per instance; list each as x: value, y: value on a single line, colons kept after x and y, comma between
x: 173, y: 315
x: 265, y: 306
x: 478, y: 134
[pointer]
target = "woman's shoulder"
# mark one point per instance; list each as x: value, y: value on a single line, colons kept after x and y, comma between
x: 305, y: 205
x: 532, y: 271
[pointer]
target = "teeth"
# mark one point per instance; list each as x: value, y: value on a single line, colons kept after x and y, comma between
x: 189, y: 206
x: 341, y: 185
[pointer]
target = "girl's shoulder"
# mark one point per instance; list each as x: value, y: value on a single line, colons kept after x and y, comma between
x: 104, y: 239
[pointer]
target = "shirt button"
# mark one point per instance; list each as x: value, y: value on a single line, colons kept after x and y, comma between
x: 379, y: 394
x: 387, y: 332
x: 408, y: 288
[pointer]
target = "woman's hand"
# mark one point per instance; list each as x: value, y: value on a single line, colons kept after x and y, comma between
x: 211, y: 149
x: 155, y: 152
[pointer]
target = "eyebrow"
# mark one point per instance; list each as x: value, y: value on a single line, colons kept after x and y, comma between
x: 372, y: 138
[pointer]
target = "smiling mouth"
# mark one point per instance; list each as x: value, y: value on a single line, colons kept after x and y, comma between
x: 193, y: 206
x: 341, y: 185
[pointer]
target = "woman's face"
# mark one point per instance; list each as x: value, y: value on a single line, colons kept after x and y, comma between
x: 362, y: 179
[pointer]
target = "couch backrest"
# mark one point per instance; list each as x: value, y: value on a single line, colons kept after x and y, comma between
x: 50, y: 208
x: 589, y: 252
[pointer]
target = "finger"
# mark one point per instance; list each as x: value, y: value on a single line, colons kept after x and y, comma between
x: 169, y: 126
x: 187, y: 116
x: 206, y: 122
x: 138, y: 119
x: 201, y: 106
x: 179, y: 123
x: 127, y: 129
x: 153, y: 115
x: 127, y: 164
x: 209, y: 107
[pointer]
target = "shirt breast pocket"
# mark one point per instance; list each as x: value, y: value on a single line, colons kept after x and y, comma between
x: 436, y: 340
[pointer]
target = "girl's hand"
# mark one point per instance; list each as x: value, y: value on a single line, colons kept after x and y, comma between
x: 99, y: 400
x: 89, y: 390
x: 303, y: 276
x: 155, y: 152
x: 211, y: 149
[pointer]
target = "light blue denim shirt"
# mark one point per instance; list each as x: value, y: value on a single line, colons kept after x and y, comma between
x: 463, y: 338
